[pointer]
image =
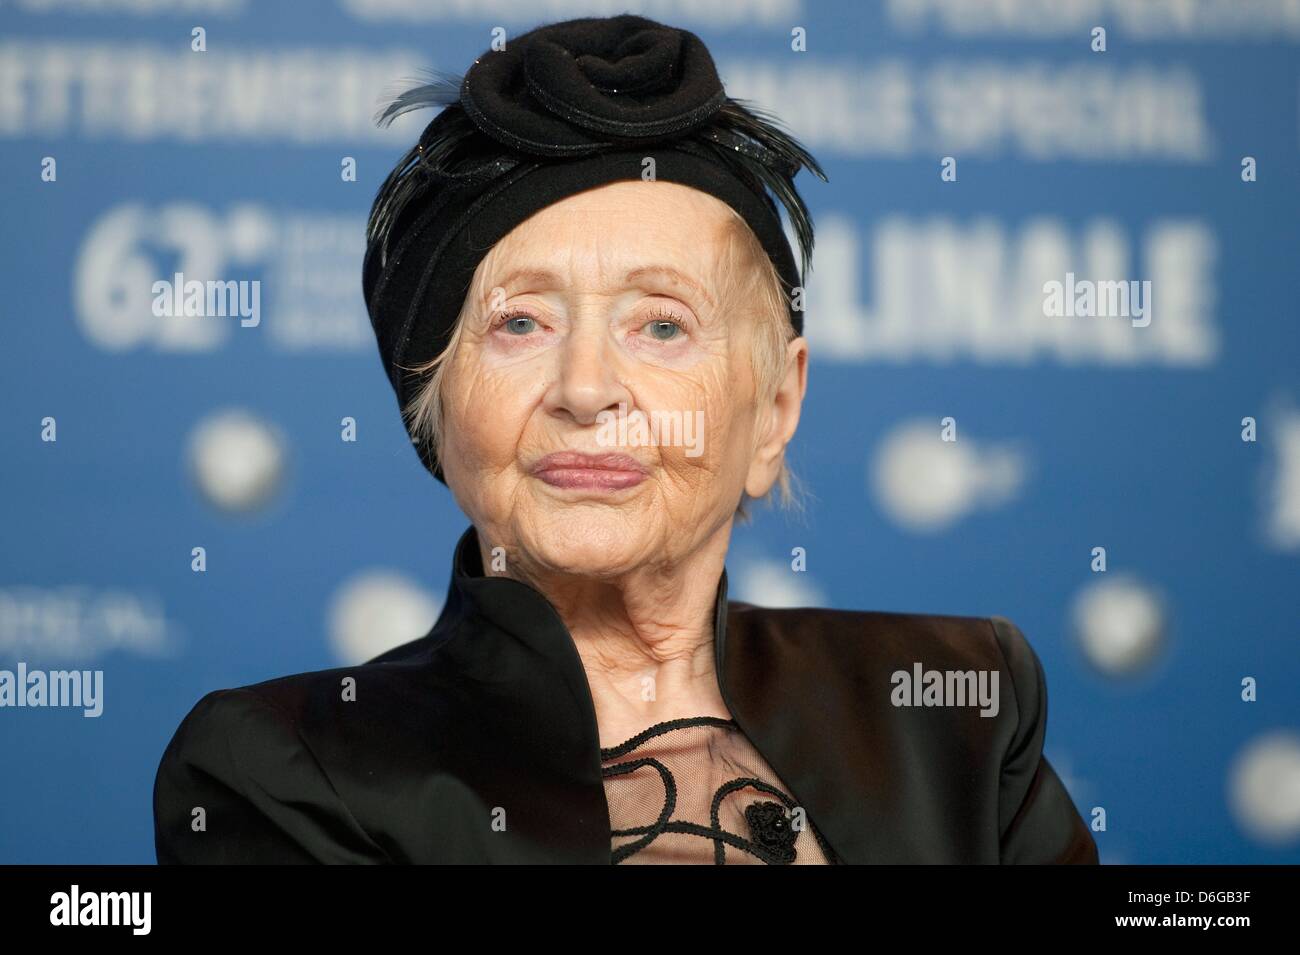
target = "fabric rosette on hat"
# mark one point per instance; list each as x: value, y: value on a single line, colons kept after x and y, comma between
x: 576, y: 88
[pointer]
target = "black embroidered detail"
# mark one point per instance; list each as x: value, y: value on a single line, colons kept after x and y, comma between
x: 772, y: 834
x: 771, y: 828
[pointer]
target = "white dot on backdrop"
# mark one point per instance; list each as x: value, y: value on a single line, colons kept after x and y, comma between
x: 771, y: 583
x: 924, y: 483
x: 375, y: 611
x: 1283, y: 482
x: 250, y: 234
x: 1120, y: 624
x: 237, y: 460
x: 1264, y: 788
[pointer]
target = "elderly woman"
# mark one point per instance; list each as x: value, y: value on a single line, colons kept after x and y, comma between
x: 589, y: 310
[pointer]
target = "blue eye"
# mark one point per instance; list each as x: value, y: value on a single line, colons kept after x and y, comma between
x: 513, y: 328
x: 663, y: 329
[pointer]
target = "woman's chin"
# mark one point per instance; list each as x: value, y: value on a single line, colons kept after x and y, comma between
x: 596, y: 542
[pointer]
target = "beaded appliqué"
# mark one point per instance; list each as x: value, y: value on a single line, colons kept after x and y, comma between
x: 771, y: 833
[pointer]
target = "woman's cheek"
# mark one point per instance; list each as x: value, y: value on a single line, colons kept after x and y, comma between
x: 697, y: 410
x: 491, y: 414
x: 728, y: 432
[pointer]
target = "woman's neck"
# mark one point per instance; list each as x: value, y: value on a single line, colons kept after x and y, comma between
x: 646, y: 639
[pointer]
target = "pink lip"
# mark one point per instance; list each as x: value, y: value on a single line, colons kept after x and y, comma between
x: 603, y: 472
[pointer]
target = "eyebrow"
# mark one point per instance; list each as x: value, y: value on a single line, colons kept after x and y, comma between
x: 672, y: 275
x: 544, y: 279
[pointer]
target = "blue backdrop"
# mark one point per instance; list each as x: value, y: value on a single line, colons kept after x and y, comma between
x: 977, y: 151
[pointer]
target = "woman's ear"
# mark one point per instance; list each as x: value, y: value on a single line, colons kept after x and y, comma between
x: 783, y: 419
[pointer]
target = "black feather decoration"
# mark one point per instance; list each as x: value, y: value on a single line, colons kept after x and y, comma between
x: 442, y: 89
x: 451, y: 148
x: 747, y: 137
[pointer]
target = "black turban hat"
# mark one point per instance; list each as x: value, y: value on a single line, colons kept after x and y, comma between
x: 561, y: 109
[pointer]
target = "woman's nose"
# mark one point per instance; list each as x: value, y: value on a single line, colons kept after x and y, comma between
x: 590, y: 376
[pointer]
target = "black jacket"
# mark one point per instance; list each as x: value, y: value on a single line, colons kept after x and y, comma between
x: 406, y: 757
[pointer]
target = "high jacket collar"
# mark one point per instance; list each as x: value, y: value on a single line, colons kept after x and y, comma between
x: 524, y: 613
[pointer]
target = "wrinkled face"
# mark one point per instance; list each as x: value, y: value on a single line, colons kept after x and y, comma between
x: 604, y: 332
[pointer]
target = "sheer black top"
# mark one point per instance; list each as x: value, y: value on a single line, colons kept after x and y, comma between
x: 694, y: 790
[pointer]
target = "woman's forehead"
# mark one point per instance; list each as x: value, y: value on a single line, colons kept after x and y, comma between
x: 663, y: 277
x: 621, y: 232
x: 628, y: 214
